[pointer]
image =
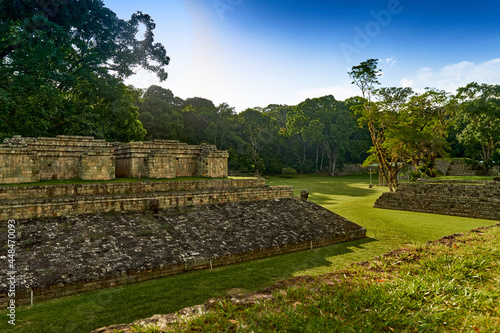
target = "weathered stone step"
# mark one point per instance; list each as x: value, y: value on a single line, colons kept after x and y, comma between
x: 139, y: 187
x: 68, y: 206
x: 468, y: 200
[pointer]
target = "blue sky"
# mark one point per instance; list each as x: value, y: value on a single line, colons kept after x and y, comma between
x: 251, y: 53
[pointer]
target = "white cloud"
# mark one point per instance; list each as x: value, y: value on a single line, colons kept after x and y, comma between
x: 453, y: 76
x: 390, y: 61
x: 406, y: 83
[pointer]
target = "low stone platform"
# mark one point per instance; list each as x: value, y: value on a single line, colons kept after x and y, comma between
x: 40, y: 201
x: 476, y: 199
x: 68, y: 255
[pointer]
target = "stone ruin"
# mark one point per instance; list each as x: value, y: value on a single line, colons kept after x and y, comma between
x: 73, y: 238
x: 466, y: 198
x: 27, y: 160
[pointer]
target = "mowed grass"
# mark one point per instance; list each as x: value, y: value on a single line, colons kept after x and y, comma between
x: 440, y: 287
x: 347, y: 196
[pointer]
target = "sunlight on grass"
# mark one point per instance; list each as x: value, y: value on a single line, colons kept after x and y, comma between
x: 351, y: 198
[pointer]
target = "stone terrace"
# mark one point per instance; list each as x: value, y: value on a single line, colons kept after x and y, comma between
x: 475, y: 199
x: 67, y: 255
x: 79, y: 199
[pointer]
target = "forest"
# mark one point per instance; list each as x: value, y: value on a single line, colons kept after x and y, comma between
x: 63, y: 69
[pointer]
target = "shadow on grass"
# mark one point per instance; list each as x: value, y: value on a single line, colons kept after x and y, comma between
x: 85, y: 312
x: 320, y: 259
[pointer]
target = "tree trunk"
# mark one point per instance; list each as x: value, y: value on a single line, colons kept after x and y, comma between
x: 317, y: 153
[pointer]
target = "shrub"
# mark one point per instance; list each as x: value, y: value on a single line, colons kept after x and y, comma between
x: 288, y: 172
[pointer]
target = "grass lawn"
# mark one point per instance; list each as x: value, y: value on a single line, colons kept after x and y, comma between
x: 347, y: 196
x: 446, y: 286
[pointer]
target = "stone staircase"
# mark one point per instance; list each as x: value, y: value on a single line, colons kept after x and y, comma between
x: 474, y: 199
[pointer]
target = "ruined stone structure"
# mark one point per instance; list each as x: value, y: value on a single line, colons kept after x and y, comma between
x: 67, y: 255
x: 477, y: 199
x: 73, y: 238
x: 26, y: 160
x: 45, y: 201
x: 457, y: 167
x: 169, y: 159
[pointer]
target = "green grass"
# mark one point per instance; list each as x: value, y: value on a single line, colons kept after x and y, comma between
x: 435, y: 288
x: 347, y: 196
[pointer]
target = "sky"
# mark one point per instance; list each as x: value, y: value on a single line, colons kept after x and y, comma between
x: 252, y: 53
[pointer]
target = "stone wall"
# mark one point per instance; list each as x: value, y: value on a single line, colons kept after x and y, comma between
x: 457, y: 167
x: 63, y: 157
x: 67, y: 255
x: 24, y: 160
x: 138, y: 187
x: 169, y: 159
x: 18, y: 165
x: 352, y: 169
x: 78, y: 199
x: 459, y: 198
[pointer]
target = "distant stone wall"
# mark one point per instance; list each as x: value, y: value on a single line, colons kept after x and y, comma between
x: 67, y: 255
x: 457, y: 167
x: 25, y: 160
x: 458, y: 198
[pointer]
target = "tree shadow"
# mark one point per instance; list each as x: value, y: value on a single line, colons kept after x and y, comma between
x: 322, y: 257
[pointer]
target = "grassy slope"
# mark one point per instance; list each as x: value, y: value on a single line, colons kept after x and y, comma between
x: 347, y: 196
x: 447, y: 286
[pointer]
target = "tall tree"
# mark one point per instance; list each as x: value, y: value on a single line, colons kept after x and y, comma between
x: 254, y: 124
x: 365, y: 77
x: 160, y: 114
x: 58, y: 56
x: 326, y: 123
x: 425, y: 121
x: 386, y: 152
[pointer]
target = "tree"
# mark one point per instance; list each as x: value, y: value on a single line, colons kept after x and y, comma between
x: 196, y: 113
x: 325, y: 123
x: 480, y: 116
x: 425, y: 121
x: 386, y: 151
x: 365, y: 76
x: 59, y: 56
x: 255, y: 132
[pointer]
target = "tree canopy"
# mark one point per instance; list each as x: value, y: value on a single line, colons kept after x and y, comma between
x: 62, y: 68
x: 480, y: 121
x: 404, y: 126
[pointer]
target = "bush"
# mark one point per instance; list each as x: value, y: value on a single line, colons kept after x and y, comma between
x: 424, y: 171
x: 288, y: 172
